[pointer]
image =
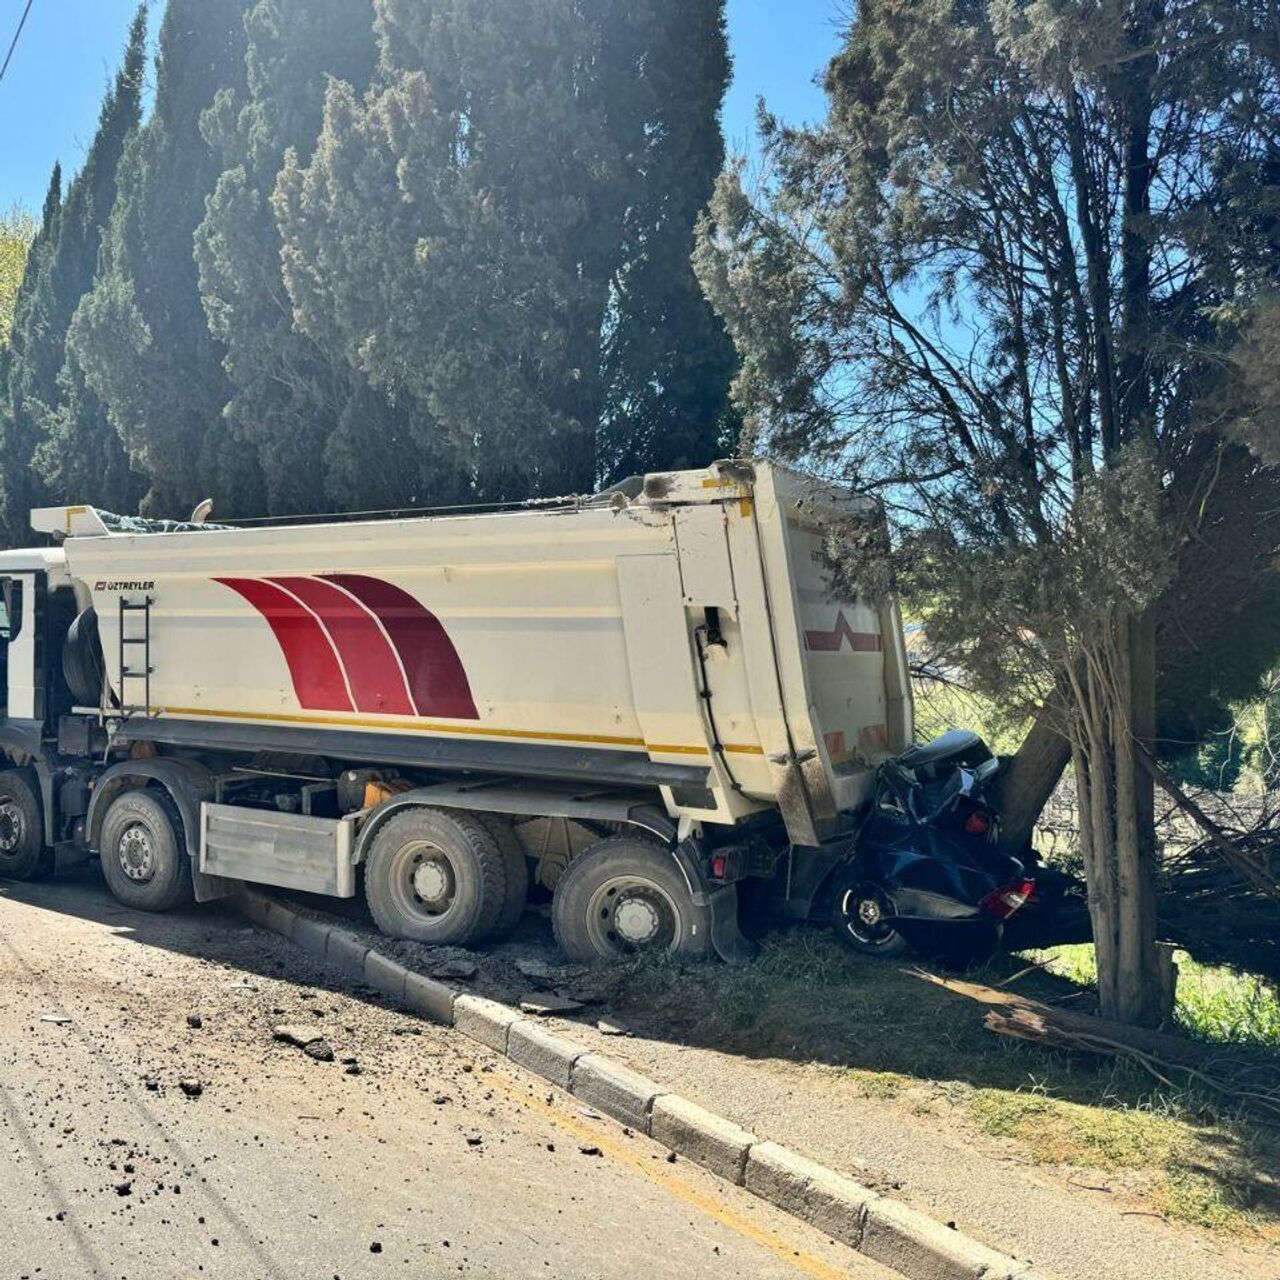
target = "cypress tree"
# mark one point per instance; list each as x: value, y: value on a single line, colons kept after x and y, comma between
x: 668, y: 361
x: 30, y: 368
x: 474, y: 235
x: 79, y: 456
x: 287, y: 399
x: 141, y: 337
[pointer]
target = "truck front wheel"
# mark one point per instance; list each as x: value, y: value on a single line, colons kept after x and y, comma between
x: 435, y: 876
x: 144, y: 857
x: 623, y: 895
x: 23, y: 855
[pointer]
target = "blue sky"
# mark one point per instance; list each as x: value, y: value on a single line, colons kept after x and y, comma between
x: 50, y: 96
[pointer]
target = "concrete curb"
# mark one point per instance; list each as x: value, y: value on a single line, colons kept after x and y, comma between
x: 888, y: 1231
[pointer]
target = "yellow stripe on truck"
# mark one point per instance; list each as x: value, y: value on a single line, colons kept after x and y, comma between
x: 458, y: 730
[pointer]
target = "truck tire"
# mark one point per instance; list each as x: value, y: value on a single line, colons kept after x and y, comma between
x: 23, y: 855
x: 516, y: 866
x: 626, y: 894
x: 435, y: 876
x: 143, y: 852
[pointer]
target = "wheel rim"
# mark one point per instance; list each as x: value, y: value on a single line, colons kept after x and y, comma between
x: 866, y: 912
x: 136, y: 852
x: 630, y: 913
x: 11, y: 828
x: 424, y: 882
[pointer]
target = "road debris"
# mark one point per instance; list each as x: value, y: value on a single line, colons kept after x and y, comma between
x: 544, y: 1005
x: 550, y: 975
x: 296, y: 1035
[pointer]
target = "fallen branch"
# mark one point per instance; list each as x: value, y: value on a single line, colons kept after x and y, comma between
x: 1255, y: 873
x: 1169, y: 1059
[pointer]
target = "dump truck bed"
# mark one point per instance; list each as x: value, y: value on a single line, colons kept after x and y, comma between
x: 683, y: 639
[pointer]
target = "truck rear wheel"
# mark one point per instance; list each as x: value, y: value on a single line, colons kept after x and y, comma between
x: 144, y: 856
x: 435, y: 876
x: 623, y: 895
x: 23, y: 855
x: 517, y: 869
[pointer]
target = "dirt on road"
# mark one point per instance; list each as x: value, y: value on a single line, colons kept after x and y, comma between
x: 154, y: 1124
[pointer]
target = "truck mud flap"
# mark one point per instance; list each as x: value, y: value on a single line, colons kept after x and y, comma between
x: 726, y: 937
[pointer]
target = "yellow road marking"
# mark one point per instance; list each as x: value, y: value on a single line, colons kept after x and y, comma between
x: 484, y: 731
x: 787, y: 1252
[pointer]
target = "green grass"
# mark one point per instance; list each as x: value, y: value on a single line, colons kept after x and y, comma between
x: 912, y: 1046
x: 1214, y: 1004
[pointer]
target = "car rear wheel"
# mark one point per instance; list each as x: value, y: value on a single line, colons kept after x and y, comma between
x: 23, y: 855
x: 144, y: 857
x: 623, y: 895
x: 863, y: 917
x: 435, y: 876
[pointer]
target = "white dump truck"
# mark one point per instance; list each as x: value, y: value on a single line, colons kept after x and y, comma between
x: 633, y: 702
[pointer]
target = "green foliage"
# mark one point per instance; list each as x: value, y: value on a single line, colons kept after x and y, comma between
x: 667, y: 359
x: 999, y: 287
x: 17, y: 230
x: 140, y: 336
x: 56, y: 436
x: 482, y: 238
x: 287, y: 400
x: 75, y: 453
x: 1257, y: 366
x: 377, y: 253
x: 30, y: 364
x: 1214, y: 1003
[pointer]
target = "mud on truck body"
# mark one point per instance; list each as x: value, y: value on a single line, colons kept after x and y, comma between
x: 636, y: 702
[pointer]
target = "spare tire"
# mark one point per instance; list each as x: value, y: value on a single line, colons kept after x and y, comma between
x: 82, y: 665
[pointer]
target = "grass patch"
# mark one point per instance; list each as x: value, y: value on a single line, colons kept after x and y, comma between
x: 1054, y: 1132
x: 922, y: 1050
x: 879, y: 1084
x: 1204, y: 1176
x: 1214, y: 1003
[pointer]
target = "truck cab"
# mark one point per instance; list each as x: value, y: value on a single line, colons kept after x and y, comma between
x: 38, y: 603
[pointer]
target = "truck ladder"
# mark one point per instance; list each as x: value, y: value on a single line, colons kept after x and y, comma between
x: 142, y: 673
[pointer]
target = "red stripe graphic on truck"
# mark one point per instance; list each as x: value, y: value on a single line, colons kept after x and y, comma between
x: 373, y: 670
x: 842, y: 633
x: 437, y: 680
x: 353, y: 642
x: 313, y: 663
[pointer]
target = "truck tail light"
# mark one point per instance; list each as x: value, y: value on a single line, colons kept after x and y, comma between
x: 977, y: 823
x: 719, y: 865
x: 1007, y: 899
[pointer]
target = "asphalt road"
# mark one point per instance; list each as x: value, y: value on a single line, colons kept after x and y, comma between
x: 420, y: 1155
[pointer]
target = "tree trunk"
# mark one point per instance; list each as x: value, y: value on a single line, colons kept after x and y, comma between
x: 1027, y: 784
x: 1116, y: 836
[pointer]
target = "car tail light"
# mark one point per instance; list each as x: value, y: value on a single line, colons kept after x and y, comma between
x: 719, y: 865
x: 977, y: 823
x: 1007, y: 899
